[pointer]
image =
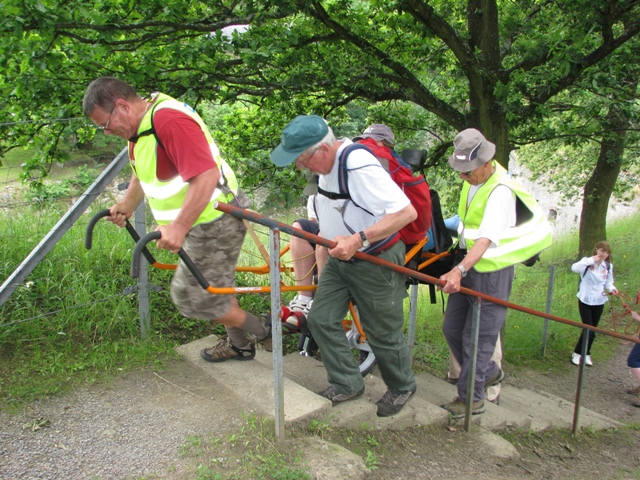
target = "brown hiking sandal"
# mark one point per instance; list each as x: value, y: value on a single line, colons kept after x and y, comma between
x: 223, y: 350
x: 448, y: 379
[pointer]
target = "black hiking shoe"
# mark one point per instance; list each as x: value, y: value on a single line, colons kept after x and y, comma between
x: 392, y: 403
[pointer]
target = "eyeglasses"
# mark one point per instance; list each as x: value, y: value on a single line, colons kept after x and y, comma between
x: 467, y: 174
x: 106, y: 125
x: 301, y: 164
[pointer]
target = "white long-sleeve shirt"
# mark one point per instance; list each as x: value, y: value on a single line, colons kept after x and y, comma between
x: 594, y: 281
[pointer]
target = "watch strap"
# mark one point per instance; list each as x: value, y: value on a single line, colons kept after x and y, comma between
x: 365, y: 241
x: 463, y: 270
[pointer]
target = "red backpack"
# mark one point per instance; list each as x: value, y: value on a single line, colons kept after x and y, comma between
x: 415, y: 188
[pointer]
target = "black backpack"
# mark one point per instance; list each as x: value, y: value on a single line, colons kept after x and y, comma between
x: 442, y: 243
x: 441, y: 236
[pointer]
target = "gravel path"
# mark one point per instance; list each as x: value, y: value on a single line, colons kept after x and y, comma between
x: 139, y: 426
x: 132, y: 428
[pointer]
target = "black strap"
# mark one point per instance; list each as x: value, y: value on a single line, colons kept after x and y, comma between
x: 149, y: 131
x: 334, y: 196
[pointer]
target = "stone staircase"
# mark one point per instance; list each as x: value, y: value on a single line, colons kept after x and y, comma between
x: 304, y: 376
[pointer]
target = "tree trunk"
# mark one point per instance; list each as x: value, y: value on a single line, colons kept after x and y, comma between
x: 598, y: 189
x: 486, y: 111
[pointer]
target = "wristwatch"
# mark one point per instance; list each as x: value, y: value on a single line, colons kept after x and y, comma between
x: 365, y: 242
x: 463, y: 271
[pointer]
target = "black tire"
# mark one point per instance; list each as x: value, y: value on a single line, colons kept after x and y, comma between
x: 366, y: 362
x: 363, y: 356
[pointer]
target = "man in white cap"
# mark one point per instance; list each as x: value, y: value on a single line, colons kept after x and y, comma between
x: 488, y: 213
x: 367, y: 221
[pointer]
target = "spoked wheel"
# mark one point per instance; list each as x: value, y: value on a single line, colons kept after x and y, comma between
x: 362, y: 353
x: 363, y: 356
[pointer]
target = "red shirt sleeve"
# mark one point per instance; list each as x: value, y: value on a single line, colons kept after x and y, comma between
x: 186, y: 151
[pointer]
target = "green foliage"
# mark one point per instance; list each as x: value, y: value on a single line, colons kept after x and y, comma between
x: 426, y: 69
x: 43, y: 192
x: 71, y: 322
x: 523, y: 333
x: 371, y: 461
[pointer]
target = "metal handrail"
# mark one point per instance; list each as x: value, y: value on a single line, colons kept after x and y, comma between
x: 274, y: 224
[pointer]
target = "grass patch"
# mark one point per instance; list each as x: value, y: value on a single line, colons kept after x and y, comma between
x: 73, y: 322
x: 252, y: 452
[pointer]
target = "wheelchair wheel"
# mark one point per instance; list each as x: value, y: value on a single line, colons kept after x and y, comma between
x: 363, y: 356
x: 362, y: 353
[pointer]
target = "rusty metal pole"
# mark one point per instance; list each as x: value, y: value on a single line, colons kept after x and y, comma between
x: 276, y: 332
x: 473, y: 359
x: 576, y: 407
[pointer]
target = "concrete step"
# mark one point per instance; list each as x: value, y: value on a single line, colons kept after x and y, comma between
x: 253, y: 381
x: 311, y: 374
x: 303, y: 376
x: 517, y: 407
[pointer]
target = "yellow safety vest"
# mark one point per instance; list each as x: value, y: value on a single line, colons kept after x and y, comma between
x: 530, y: 235
x: 167, y: 197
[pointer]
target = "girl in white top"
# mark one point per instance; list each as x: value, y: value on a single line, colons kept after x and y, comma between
x: 596, y: 276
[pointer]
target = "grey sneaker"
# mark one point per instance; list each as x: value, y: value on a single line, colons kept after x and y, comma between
x: 392, y: 403
x: 457, y: 408
x: 495, y: 380
x: 301, y: 304
x: 223, y: 350
x: 337, y: 398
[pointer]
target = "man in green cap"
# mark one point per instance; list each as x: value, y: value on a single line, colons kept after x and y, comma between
x: 367, y: 219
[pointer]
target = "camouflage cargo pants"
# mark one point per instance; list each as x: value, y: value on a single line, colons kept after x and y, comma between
x: 214, y: 248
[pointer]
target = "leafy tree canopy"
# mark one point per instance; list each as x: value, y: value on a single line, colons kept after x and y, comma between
x: 426, y: 68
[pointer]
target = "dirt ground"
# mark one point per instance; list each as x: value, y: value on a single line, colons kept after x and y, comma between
x: 173, y: 424
x: 441, y: 453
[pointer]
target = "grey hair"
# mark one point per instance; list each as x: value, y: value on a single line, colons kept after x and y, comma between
x: 329, y: 139
x: 103, y: 92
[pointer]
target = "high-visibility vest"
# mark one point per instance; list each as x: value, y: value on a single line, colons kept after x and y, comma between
x: 530, y: 235
x: 167, y: 197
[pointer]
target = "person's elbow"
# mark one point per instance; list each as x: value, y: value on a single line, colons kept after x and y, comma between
x: 410, y: 213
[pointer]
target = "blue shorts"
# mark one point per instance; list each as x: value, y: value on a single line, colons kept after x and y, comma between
x: 310, y: 227
x: 633, y: 360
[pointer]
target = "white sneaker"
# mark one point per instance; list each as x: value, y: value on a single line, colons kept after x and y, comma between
x: 300, y: 304
x: 575, y: 358
x: 587, y: 360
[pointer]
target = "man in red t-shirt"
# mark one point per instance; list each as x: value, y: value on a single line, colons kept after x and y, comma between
x: 183, y: 154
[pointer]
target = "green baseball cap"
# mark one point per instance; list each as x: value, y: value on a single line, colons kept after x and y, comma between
x: 301, y: 133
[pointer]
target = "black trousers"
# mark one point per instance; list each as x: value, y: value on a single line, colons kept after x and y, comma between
x: 590, y: 315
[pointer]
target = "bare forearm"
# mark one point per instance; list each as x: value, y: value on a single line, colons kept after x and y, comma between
x: 474, y: 255
x: 198, y: 196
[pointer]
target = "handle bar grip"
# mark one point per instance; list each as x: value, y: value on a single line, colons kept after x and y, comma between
x: 88, y: 238
x: 141, y: 247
